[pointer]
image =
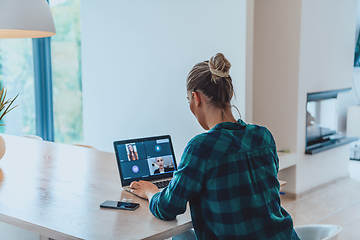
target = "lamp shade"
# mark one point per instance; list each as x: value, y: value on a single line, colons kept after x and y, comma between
x: 25, y: 19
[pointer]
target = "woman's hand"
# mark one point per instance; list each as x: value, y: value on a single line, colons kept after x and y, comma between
x: 144, y: 189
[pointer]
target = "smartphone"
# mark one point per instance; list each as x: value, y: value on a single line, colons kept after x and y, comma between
x: 120, y: 205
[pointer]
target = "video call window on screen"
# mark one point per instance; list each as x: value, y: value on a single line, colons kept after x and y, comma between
x: 132, y: 152
x: 161, y: 164
x: 142, y: 159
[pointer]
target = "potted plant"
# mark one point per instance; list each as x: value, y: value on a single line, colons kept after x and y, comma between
x: 6, y: 105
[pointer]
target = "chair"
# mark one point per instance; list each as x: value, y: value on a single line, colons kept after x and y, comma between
x: 318, y: 232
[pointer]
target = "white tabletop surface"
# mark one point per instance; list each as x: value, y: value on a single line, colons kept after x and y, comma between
x: 56, y: 189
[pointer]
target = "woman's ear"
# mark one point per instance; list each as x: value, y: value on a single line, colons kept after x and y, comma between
x: 196, y: 97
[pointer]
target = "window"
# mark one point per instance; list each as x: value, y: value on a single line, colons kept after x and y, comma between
x: 17, y: 76
x: 66, y: 67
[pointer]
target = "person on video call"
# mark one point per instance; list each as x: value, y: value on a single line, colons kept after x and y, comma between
x: 227, y: 174
x: 132, y: 154
x: 159, y: 161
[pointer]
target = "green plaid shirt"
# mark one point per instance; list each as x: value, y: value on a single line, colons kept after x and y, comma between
x: 229, y: 177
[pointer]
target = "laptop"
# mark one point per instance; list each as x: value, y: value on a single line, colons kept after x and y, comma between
x: 149, y: 159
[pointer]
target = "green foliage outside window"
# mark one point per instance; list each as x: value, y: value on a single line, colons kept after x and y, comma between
x: 17, y: 76
x: 66, y: 64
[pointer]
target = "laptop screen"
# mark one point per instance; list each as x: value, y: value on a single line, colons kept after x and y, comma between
x: 145, y: 159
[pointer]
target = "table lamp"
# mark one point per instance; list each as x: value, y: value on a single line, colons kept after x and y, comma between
x: 25, y: 19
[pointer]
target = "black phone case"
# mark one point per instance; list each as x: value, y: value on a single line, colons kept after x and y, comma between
x: 120, y: 208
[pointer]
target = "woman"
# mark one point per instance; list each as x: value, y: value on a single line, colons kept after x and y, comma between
x: 159, y: 161
x: 228, y: 174
x: 132, y: 154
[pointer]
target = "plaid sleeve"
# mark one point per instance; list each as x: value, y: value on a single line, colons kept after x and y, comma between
x: 185, y: 184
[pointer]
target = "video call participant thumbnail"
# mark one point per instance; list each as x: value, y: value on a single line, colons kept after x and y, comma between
x: 159, y: 161
x: 135, y: 169
x: 132, y: 152
x: 163, y: 164
x: 157, y: 148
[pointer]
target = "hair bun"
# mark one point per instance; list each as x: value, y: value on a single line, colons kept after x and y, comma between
x: 219, y: 66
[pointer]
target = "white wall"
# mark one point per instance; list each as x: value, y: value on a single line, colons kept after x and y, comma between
x: 355, y: 98
x: 301, y: 46
x: 276, y: 68
x: 250, y: 4
x: 326, y: 63
x: 327, y: 50
x: 357, y: 18
x: 136, y: 56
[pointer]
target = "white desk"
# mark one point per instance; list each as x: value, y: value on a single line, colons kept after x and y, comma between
x: 55, y: 190
x: 287, y: 160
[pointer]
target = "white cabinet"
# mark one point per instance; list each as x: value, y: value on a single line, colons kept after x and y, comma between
x: 353, y: 121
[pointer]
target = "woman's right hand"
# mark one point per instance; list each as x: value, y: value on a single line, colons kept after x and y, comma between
x: 144, y: 189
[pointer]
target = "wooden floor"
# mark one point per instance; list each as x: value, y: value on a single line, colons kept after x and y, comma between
x: 337, y: 203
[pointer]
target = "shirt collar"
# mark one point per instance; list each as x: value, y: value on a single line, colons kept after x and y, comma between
x: 230, y: 125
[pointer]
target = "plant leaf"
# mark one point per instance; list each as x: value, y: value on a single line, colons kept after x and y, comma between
x: 8, y: 106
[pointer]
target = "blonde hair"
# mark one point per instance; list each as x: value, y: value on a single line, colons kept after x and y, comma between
x: 212, y: 78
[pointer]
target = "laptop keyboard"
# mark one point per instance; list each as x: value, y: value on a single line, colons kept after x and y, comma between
x: 162, y: 184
